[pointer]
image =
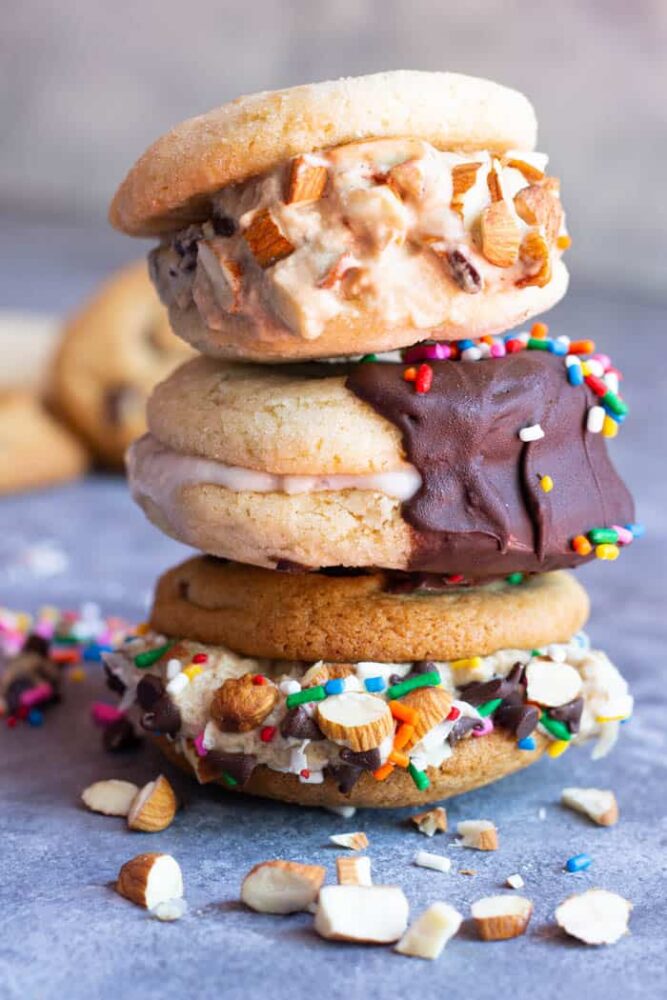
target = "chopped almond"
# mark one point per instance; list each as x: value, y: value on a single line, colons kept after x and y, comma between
x: 154, y: 807
x: 266, y: 241
x: 430, y: 932
x: 354, y: 871
x: 336, y: 273
x: 307, y: 180
x: 111, y: 798
x: 538, y: 207
x: 223, y: 272
x: 552, y: 684
x: 479, y: 834
x: 595, y: 917
x: 407, y: 179
x: 463, y: 178
x: 493, y: 184
x: 499, y: 918
x: 501, y: 237
x: 431, y: 822
x: 353, y: 841
x: 357, y: 719
x: 373, y: 914
x: 150, y: 879
x: 281, y: 886
x: 531, y: 173
x: 596, y: 803
x: 535, y: 251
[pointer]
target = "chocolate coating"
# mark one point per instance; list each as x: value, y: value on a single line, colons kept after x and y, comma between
x: 481, y: 510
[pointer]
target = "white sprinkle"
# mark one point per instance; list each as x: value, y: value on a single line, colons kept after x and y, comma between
x: 595, y: 368
x: 347, y: 812
x: 563, y: 339
x: 289, y: 686
x: 524, y: 337
x: 439, y: 863
x: 471, y: 354
x: 174, y: 668
x: 178, y: 684
x: 515, y: 881
x: 541, y: 813
x: 571, y: 360
x: 611, y: 381
x: 595, y: 419
x: 532, y: 433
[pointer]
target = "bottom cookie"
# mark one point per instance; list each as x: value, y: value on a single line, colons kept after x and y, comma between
x: 367, y: 733
x: 35, y: 450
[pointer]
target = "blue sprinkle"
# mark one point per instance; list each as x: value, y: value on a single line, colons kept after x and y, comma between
x: 575, y: 375
x: 335, y: 686
x: 582, y: 640
x: 93, y: 652
x: 618, y: 418
x: 374, y: 684
x: 558, y: 347
x: 579, y: 863
x: 35, y: 717
x: 527, y: 743
x: 638, y: 530
x: 465, y: 344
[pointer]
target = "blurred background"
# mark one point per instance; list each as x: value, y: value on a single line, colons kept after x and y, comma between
x: 87, y: 84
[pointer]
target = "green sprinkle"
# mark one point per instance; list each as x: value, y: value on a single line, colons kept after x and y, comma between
x: 421, y: 681
x: 603, y: 536
x: 555, y: 727
x: 537, y: 344
x: 489, y: 706
x: 420, y: 778
x: 151, y: 656
x: 228, y: 780
x: 369, y: 357
x: 536, y: 652
x: 614, y: 403
x: 514, y: 579
x: 308, y: 694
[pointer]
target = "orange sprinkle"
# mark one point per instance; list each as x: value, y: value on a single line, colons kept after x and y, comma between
x: 564, y: 242
x: 143, y: 628
x: 581, y: 347
x: 399, y: 758
x: 403, y: 712
x: 410, y: 374
x: 487, y: 339
x: 539, y: 331
x: 404, y: 734
x: 383, y: 772
x: 581, y: 545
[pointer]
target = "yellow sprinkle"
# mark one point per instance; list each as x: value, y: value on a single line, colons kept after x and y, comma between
x: 192, y: 670
x: 77, y: 674
x: 558, y: 747
x: 606, y: 551
x: 611, y: 718
x: 547, y: 484
x: 609, y: 427
x: 585, y: 368
x: 143, y: 628
x: 467, y: 664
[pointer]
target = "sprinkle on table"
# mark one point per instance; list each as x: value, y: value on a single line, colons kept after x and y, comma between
x: 578, y: 863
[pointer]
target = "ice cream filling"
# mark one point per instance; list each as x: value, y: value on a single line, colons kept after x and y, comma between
x: 228, y: 714
x: 390, y: 227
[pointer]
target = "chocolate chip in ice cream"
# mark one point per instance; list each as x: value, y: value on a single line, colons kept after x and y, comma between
x: 300, y: 725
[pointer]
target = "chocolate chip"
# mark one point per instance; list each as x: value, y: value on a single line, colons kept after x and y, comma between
x: 120, y: 736
x: 478, y: 694
x: 36, y: 644
x: 367, y: 760
x: 114, y: 683
x: 287, y: 566
x: 518, y: 719
x: 118, y: 401
x: 464, y: 274
x: 163, y: 717
x: 238, y: 765
x: 299, y: 724
x: 149, y: 691
x: 517, y: 674
x: 223, y: 225
x: 461, y: 728
x: 346, y: 776
x: 570, y: 714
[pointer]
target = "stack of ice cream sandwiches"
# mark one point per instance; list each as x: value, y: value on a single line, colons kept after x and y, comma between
x: 386, y: 487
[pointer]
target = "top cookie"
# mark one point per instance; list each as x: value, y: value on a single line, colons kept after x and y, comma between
x: 172, y: 183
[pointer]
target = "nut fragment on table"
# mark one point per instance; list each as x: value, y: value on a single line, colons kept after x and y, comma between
x: 375, y: 914
x: 354, y: 871
x: 112, y: 797
x: 154, y: 807
x: 431, y: 822
x: 596, y: 803
x: 281, y: 886
x: 498, y: 918
x: 479, y: 834
x: 353, y: 841
x: 595, y: 917
x: 150, y: 879
x: 430, y: 932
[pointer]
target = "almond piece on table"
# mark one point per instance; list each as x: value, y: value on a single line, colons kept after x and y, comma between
x: 433, y: 705
x: 479, y: 834
x: 240, y: 704
x: 354, y: 871
x: 501, y: 237
x: 306, y: 181
x: 430, y: 932
x: 154, y: 807
x: 552, y: 684
x: 281, y: 886
x: 266, y: 240
x: 596, y: 803
x: 498, y: 918
x: 595, y: 917
x: 515, y: 881
x: 367, y: 914
x: 111, y: 798
x: 359, y: 720
x: 353, y: 841
x: 431, y: 822
x: 150, y: 879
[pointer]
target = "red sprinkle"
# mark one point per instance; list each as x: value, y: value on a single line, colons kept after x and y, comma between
x: 200, y: 658
x: 424, y: 379
x: 514, y: 346
x: 455, y: 578
x: 305, y: 773
x: 259, y: 679
x: 22, y: 712
x: 454, y: 713
x: 596, y: 384
x: 12, y: 721
x: 267, y: 734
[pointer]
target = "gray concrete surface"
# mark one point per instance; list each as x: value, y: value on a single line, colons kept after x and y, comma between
x: 63, y: 931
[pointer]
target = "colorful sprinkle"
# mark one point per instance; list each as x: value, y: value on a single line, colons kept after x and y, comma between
x: 454, y: 714
x: 419, y: 777
x: 404, y: 713
x: 625, y: 537
x: 578, y: 863
x: 200, y: 658
x: 609, y: 427
x: 317, y: 693
x: 489, y: 706
x: 527, y: 743
x: 410, y: 374
x: 514, y: 579
x: 598, y: 536
x: 546, y: 484
x: 192, y: 671
x: 575, y: 373
x: 151, y: 656
x: 555, y: 728
x: 200, y: 749
x: 335, y: 686
x: 582, y: 347
x: 532, y: 433
x: 595, y: 419
x: 638, y: 530
x: 483, y: 728
x: 431, y: 679
x: 607, y: 552
x: 374, y: 684
x: 581, y: 545
x: 404, y: 735
x: 424, y: 379
x: 468, y: 663
x: 557, y: 748
x: 383, y: 772
x: 539, y: 331
x: 267, y: 733
x: 368, y: 357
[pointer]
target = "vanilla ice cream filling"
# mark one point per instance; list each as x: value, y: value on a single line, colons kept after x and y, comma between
x: 573, y: 667
x: 159, y: 473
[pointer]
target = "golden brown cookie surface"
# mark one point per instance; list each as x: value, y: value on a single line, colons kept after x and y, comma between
x: 35, y: 450
x: 312, y: 616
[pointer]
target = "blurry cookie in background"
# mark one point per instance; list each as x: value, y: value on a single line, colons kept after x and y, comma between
x: 35, y: 450
x: 111, y: 354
